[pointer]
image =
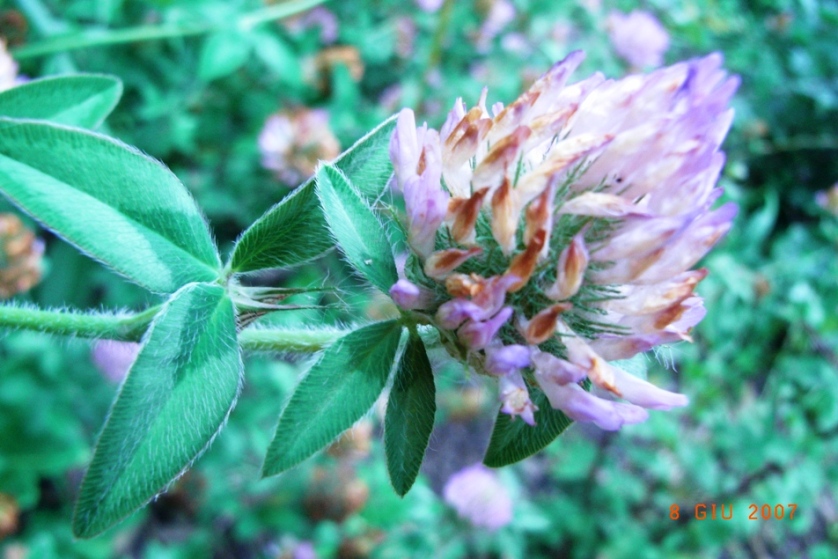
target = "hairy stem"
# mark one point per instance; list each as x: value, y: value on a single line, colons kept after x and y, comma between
x: 124, y: 327
x: 131, y: 327
x: 298, y: 341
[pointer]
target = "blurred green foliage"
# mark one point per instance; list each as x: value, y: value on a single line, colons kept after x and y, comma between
x: 762, y: 426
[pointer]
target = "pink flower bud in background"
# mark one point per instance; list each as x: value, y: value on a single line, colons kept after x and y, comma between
x: 305, y: 550
x: 501, y: 13
x: 638, y: 37
x: 114, y: 359
x: 478, y: 496
x: 293, y: 142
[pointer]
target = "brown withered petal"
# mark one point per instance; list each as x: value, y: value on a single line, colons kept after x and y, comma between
x: 561, y: 159
x: 472, y: 116
x: 543, y: 325
x: 539, y: 213
x: 513, y: 114
x: 647, y: 299
x: 573, y: 261
x: 463, y: 214
x: 495, y: 165
x: 504, y: 217
x: 442, y: 262
x: 602, y: 375
x: 523, y: 265
x: 601, y: 204
x: 549, y: 125
x: 462, y: 285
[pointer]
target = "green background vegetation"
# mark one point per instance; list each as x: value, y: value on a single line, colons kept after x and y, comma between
x: 762, y: 426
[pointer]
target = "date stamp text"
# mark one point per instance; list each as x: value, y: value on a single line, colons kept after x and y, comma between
x: 724, y: 511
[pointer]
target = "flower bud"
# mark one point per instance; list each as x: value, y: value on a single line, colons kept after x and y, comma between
x: 477, y: 334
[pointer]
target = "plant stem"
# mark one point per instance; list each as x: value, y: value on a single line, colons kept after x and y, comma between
x: 299, y: 341
x: 114, y: 327
x: 100, y: 37
x: 131, y: 327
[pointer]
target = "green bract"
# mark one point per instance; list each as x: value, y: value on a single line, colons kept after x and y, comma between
x: 294, y: 231
x: 356, y: 229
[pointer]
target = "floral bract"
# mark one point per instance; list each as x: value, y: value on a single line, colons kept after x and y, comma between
x: 556, y: 234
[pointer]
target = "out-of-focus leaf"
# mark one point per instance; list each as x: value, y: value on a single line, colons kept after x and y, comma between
x: 222, y: 54
x: 83, y: 100
x: 277, y: 56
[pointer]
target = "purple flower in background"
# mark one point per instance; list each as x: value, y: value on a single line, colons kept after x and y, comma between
x: 638, y: 37
x: 570, y: 217
x: 429, y: 5
x: 114, y: 359
x: 305, y: 550
x: 501, y: 13
x: 479, y: 497
x: 316, y: 17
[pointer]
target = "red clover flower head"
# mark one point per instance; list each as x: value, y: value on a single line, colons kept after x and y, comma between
x: 556, y: 234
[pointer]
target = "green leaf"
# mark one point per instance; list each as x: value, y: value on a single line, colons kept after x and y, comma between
x: 337, y: 391
x: 367, y: 164
x: 222, y: 54
x: 294, y: 230
x: 514, y: 440
x: 111, y: 201
x: 358, y: 232
x: 175, y: 399
x: 82, y: 100
x: 410, y: 415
